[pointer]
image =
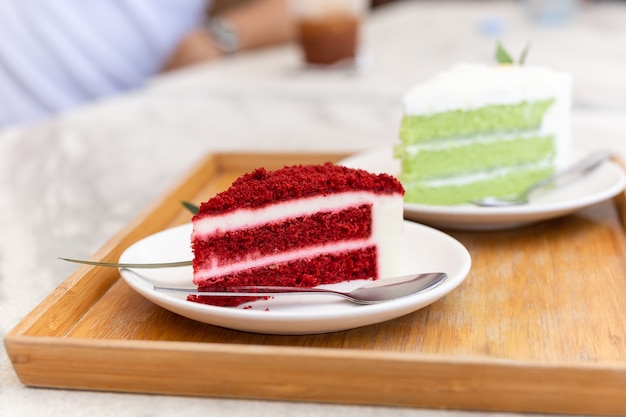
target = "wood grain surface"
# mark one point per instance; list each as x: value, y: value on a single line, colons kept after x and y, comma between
x: 538, y: 325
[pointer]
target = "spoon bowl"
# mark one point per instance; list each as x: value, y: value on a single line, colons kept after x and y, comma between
x: 378, y: 291
x: 579, y: 169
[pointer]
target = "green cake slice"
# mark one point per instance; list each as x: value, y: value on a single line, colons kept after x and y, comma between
x: 476, y: 131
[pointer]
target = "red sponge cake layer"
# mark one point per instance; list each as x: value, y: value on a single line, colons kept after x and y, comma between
x: 291, y: 234
x: 319, y: 270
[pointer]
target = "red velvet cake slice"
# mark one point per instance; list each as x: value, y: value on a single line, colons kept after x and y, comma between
x: 300, y: 226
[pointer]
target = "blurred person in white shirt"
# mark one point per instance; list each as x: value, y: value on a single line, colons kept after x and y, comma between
x: 57, y: 55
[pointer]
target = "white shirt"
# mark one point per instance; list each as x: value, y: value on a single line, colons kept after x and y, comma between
x: 57, y: 54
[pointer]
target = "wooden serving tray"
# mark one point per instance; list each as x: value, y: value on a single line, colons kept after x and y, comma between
x: 538, y: 325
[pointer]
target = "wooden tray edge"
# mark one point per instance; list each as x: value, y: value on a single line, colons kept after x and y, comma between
x: 280, y: 373
x: 620, y: 198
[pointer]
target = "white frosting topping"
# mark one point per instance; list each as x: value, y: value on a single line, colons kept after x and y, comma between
x: 470, y: 86
x: 386, y: 228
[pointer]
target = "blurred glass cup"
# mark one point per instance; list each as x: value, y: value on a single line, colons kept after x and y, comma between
x: 551, y: 12
x: 329, y: 30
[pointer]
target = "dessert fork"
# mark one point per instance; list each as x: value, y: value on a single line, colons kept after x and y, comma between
x: 582, y: 167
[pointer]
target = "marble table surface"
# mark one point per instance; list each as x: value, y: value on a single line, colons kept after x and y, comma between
x: 70, y: 183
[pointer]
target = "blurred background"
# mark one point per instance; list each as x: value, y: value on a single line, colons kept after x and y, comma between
x: 60, y: 56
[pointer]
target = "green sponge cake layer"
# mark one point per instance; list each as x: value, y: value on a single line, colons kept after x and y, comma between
x: 454, y: 123
x: 446, y: 158
x: 495, y: 184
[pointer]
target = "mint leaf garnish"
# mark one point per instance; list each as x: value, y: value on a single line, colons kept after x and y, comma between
x: 502, y: 56
x: 522, y: 57
x: 191, y: 207
x: 129, y: 265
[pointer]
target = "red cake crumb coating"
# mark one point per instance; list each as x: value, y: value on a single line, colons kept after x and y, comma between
x: 325, y: 228
x: 261, y: 187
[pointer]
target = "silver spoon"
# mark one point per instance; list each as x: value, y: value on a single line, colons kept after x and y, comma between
x: 376, y: 292
x: 582, y: 167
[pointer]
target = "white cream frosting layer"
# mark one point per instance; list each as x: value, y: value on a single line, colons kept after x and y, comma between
x: 461, y: 180
x: 465, y: 141
x: 471, y: 86
x: 386, y: 228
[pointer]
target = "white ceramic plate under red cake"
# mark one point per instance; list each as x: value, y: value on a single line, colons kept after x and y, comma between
x: 601, y: 184
x: 423, y: 250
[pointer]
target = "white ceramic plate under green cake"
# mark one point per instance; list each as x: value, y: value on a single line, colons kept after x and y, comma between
x: 603, y: 183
